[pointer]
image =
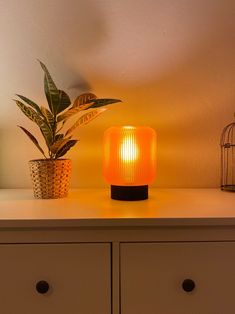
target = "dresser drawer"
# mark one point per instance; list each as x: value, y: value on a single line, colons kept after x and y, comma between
x: 152, y: 275
x: 78, y: 276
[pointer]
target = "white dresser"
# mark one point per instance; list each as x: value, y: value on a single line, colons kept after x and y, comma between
x: 88, y: 254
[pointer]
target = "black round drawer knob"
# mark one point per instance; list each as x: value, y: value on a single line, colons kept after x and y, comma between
x: 42, y: 287
x: 188, y: 285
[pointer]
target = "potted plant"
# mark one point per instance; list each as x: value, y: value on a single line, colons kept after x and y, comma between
x: 51, y: 175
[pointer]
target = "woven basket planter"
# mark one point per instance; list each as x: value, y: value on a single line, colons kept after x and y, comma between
x: 50, y: 178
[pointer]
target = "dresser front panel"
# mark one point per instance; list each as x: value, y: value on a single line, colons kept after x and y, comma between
x: 152, y: 275
x: 78, y: 275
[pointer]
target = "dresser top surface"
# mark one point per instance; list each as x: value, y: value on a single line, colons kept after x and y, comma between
x: 94, y: 208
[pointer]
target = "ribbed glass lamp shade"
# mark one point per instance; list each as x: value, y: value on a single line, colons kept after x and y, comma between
x: 129, y: 156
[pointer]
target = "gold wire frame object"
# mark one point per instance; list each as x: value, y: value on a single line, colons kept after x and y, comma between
x: 227, y: 144
x: 50, y: 178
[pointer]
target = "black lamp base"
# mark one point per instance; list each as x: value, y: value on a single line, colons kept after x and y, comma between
x: 129, y: 193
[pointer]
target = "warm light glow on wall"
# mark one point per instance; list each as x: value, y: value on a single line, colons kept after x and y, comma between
x: 129, y: 156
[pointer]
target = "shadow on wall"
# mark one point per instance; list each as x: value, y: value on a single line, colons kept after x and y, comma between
x: 82, y: 28
x: 192, y: 74
x: 94, y: 33
x: 184, y: 68
x: 51, y: 34
x: 183, y: 88
x: 171, y: 62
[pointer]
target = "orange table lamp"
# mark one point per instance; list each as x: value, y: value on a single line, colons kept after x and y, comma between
x: 129, y: 161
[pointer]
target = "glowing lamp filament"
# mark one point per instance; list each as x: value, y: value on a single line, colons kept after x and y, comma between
x: 129, y: 149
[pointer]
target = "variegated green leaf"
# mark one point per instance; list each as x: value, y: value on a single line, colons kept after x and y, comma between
x: 63, y: 150
x: 59, y: 136
x: 86, y: 106
x: 50, y: 88
x: 33, y: 139
x: 47, y: 115
x: 102, y: 102
x: 69, y: 113
x: 84, y: 119
x: 63, y: 102
x: 83, y: 99
x: 58, y: 144
x: 49, y: 118
x: 57, y: 99
x: 30, y: 103
x: 29, y: 112
x: 32, y: 115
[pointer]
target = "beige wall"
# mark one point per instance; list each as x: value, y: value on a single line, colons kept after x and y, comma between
x: 172, y: 62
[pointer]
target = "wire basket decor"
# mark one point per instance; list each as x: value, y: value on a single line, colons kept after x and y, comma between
x: 227, y: 144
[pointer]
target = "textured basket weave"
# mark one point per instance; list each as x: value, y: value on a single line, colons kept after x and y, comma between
x: 50, y: 178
